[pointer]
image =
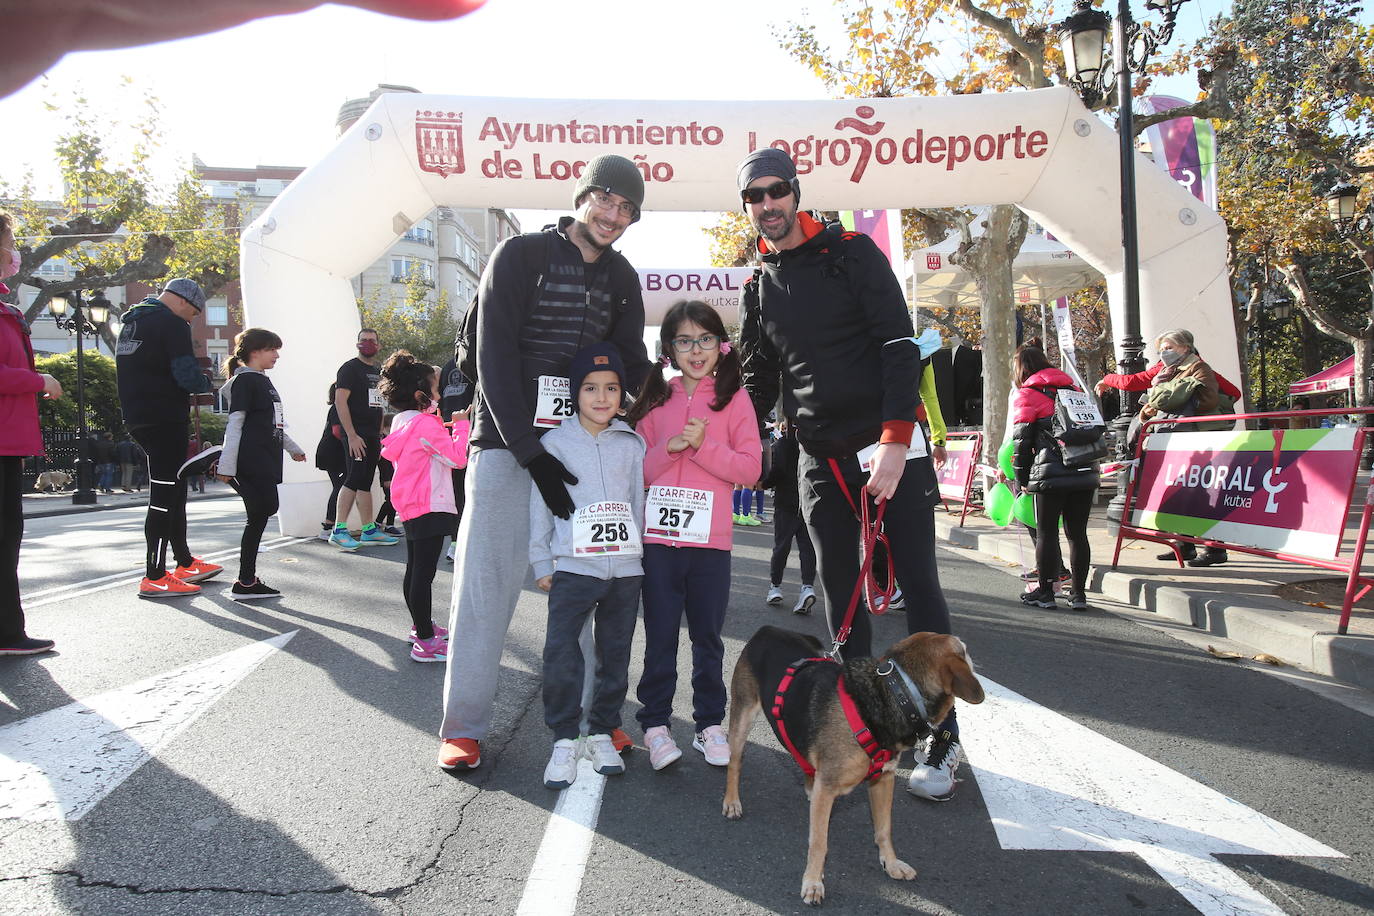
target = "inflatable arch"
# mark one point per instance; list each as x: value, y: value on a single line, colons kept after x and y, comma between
x: 1041, y: 150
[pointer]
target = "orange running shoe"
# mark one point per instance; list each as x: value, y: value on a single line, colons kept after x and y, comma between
x: 622, y: 741
x: 169, y: 586
x: 460, y: 754
x: 198, y: 571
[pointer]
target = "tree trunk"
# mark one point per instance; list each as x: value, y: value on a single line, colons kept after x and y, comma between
x: 988, y: 259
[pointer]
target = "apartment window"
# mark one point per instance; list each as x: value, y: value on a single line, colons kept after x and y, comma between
x: 216, y: 315
x: 421, y: 232
x: 402, y: 268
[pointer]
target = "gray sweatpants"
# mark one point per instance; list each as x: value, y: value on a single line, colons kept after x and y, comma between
x: 491, y: 561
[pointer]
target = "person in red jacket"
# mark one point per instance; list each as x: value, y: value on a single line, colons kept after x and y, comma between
x: 19, y: 437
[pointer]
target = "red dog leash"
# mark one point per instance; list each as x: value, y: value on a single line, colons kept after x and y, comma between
x: 870, y: 535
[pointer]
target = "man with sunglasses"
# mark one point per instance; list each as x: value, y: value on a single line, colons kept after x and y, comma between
x: 824, y: 321
x: 544, y: 296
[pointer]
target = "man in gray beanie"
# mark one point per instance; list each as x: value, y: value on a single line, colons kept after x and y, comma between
x: 544, y: 296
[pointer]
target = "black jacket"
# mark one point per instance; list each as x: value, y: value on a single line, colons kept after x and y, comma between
x: 1039, y: 464
x: 782, y: 475
x: 578, y: 304
x: 825, y: 320
x: 156, y: 366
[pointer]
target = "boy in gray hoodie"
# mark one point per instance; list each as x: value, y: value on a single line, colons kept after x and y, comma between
x: 590, y: 565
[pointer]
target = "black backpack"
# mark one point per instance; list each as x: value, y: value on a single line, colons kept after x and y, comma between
x: 1078, y: 429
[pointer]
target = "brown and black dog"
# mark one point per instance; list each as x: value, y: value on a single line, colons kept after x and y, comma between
x: 937, y: 665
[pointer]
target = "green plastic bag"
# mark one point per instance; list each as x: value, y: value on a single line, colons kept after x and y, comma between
x: 998, y: 505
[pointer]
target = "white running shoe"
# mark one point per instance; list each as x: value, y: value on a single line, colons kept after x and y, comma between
x: 449, y: 553
x: 600, y: 750
x: 774, y: 594
x: 561, y: 770
x: 805, y: 600
x: 933, y: 777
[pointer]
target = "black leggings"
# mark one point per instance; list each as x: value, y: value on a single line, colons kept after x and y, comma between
x: 165, y: 526
x: 260, y: 502
x: 11, y: 533
x: 1073, y: 506
x: 336, y: 482
x: 422, y: 559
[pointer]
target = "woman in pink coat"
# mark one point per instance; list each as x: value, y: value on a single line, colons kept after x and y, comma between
x: 19, y: 437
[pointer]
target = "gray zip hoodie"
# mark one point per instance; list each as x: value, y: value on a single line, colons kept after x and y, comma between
x: 609, y: 466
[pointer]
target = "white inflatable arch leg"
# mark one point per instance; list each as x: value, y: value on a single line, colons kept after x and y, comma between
x: 409, y: 153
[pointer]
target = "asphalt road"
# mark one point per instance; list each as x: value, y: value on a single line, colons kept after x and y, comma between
x: 306, y: 783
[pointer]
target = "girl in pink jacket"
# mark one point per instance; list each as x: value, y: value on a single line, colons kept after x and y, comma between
x: 425, y: 454
x: 702, y: 438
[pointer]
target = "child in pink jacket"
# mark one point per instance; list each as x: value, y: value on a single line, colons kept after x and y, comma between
x: 702, y: 437
x: 425, y: 454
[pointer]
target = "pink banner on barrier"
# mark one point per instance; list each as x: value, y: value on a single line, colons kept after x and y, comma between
x: 960, y: 457
x: 1281, y: 490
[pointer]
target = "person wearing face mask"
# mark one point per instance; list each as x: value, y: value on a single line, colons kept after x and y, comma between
x: 20, y: 437
x: 1183, y: 386
x: 358, y: 401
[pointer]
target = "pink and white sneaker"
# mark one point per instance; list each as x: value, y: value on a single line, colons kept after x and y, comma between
x: 663, y: 750
x: 714, y: 746
x: 429, y: 650
x: 439, y: 632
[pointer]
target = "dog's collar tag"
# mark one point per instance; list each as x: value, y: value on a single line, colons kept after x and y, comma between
x: 907, y: 695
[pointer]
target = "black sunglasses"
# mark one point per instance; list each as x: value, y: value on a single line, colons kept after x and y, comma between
x: 779, y: 190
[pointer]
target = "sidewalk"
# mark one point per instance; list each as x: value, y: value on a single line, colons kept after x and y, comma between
x: 46, y: 505
x: 1236, y: 600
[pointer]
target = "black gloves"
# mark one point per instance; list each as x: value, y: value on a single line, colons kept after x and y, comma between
x: 552, y: 478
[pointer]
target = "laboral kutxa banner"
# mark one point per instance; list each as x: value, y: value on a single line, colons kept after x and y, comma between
x: 1281, y: 490
x: 960, y: 458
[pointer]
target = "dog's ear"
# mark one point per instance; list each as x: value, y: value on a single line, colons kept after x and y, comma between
x: 959, y: 678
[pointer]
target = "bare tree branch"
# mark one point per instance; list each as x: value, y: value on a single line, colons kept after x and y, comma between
x: 1030, y: 51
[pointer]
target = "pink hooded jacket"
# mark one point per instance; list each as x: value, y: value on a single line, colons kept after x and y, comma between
x: 425, y: 454
x: 730, y: 453
x: 19, y: 383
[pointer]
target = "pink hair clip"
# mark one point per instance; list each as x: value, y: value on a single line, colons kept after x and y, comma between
x: 724, y: 347
x: 664, y: 361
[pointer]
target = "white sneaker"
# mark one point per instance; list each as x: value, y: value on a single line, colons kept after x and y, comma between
x: 600, y: 750
x: 561, y: 770
x: 325, y: 533
x: 714, y: 746
x: 898, y: 600
x: 774, y: 594
x: 805, y: 600
x: 449, y: 553
x: 933, y: 777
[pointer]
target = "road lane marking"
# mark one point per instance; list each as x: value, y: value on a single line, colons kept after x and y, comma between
x: 102, y: 583
x: 556, y: 876
x: 60, y: 764
x: 1051, y: 783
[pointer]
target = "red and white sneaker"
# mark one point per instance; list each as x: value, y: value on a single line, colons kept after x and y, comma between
x: 169, y: 586
x: 198, y: 571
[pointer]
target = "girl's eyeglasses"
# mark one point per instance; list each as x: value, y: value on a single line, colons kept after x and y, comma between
x: 705, y: 341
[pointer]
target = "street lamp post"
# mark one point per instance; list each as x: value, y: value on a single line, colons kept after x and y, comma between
x: 1357, y: 230
x: 1083, y: 39
x: 82, y: 321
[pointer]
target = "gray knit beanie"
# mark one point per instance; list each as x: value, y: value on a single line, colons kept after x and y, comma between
x: 615, y: 175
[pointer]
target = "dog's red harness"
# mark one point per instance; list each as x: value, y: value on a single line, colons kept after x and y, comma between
x: 878, y: 756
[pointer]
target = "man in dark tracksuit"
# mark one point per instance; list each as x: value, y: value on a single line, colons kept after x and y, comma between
x: 532, y: 321
x: 158, y: 373
x: 826, y: 320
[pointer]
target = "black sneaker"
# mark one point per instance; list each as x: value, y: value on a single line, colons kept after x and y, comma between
x: 28, y: 646
x: 255, y: 592
x: 1209, y: 557
x: 200, y: 464
x: 1078, y: 601
x: 1040, y: 597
